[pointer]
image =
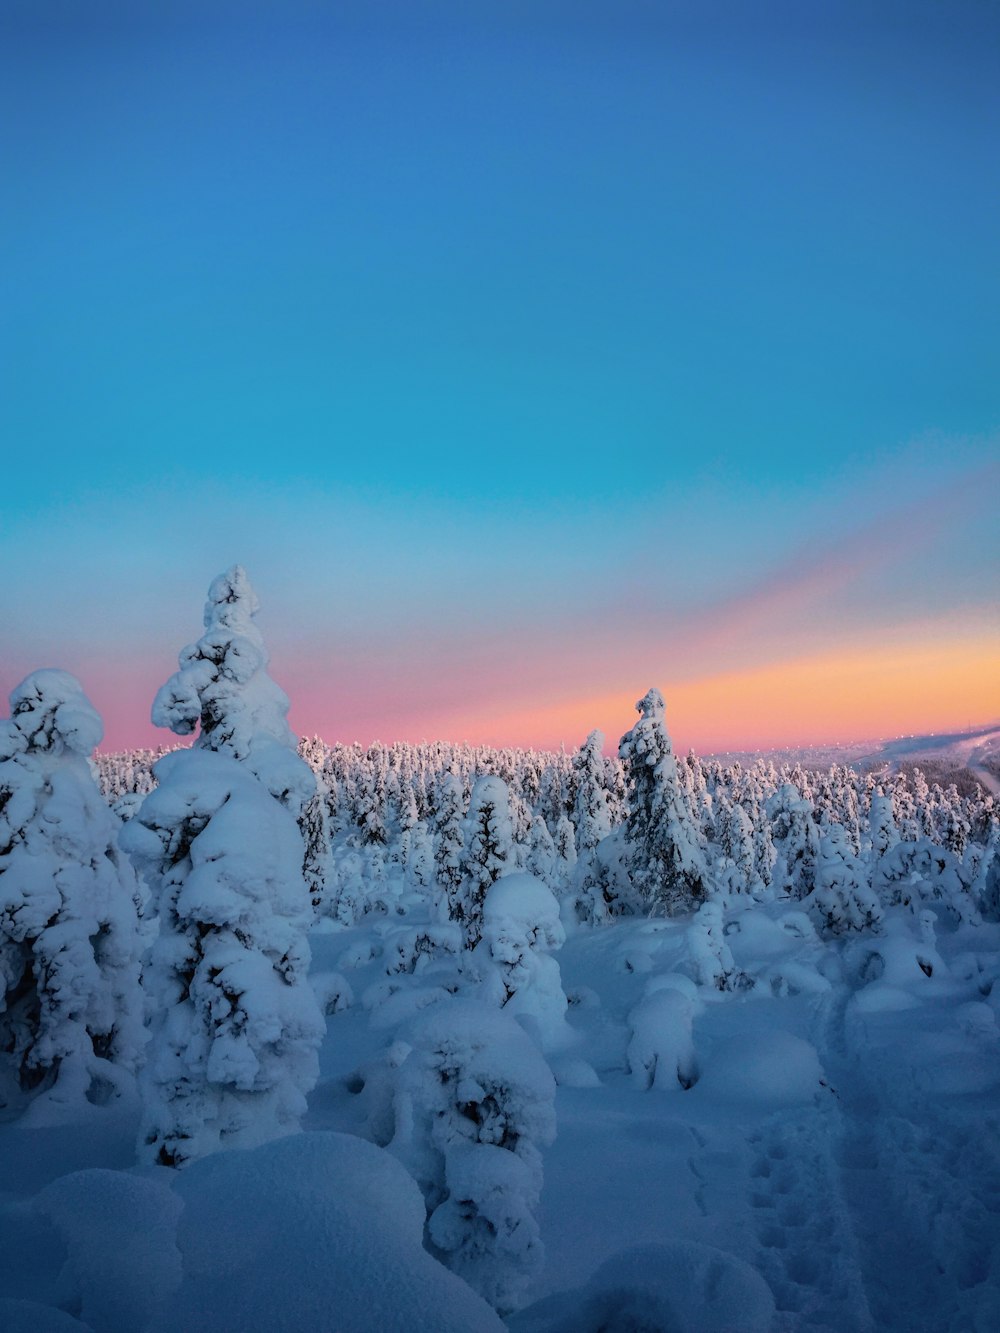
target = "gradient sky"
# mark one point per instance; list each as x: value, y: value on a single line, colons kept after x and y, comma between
x: 526, y: 355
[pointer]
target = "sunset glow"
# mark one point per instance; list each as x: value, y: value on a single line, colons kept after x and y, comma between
x: 524, y: 362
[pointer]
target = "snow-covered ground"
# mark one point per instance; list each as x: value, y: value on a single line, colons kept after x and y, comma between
x: 835, y: 1164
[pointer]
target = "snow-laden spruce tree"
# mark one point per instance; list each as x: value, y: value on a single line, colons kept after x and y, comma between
x: 542, y: 852
x: 236, y: 1027
x: 664, y: 855
x: 843, y: 900
x: 223, y: 686
x: 882, y: 831
x: 70, y: 1008
x: 450, y: 842
x: 590, y: 810
x: 488, y: 853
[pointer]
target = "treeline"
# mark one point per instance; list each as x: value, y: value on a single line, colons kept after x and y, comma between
x: 388, y: 819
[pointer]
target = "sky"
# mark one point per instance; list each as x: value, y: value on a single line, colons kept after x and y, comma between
x: 526, y: 355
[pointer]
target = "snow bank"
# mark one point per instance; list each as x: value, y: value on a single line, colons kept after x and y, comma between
x: 119, y: 1234
x: 681, y: 1287
x: 315, y: 1232
x: 764, y: 1069
x: 311, y: 1233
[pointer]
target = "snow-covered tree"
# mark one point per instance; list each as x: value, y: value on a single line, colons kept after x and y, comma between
x: 473, y: 1106
x: 842, y: 900
x: 487, y: 854
x: 796, y: 839
x: 450, y: 840
x: 882, y: 831
x: 542, y: 852
x: 70, y: 1009
x: 236, y: 1026
x: 223, y: 685
x: 315, y: 827
x: 512, y: 962
x: 665, y: 859
x: 590, y: 810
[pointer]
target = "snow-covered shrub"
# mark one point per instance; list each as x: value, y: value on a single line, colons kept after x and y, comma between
x: 660, y: 1049
x: 236, y: 1026
x: 711, y: 957
x: 922, y: 871
x: 70, y: 1009
x: 473, y: 1107
x: 511, y: 962
x: 664, y: 855
x: 412, y: 949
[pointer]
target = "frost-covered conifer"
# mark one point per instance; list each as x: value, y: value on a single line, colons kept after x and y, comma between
x: 590, y: 811
x: 542, y: 852
x: 315, y: 828
x: 223, y: 685
x: 796, y: 839
x: 842, y: 900
x: 882, y: 832
x: 450, y: 840
x: 70, y: 1009
x: 236, y: 1026
x: 664, y: 857
x: 565, y: 843
x: 488, y: 852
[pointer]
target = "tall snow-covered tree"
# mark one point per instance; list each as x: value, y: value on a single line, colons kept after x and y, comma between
x: 236, y: 1026
x: 664, y: 857
x: 882, y: 831
x: 590, y: 811
x: 70, y: 1009
x: 488, y: 852
x: 450, y: 840
x: 842, y: 900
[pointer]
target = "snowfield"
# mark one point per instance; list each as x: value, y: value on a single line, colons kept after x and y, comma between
x: 835, y: 1164
x: 443, y: 1039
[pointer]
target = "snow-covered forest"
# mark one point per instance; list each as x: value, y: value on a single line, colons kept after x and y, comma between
x: 324, y: 1037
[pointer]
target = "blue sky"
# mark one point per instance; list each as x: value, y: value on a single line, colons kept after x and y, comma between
x: 452, y: 316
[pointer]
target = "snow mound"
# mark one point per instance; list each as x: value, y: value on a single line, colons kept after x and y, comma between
x: 119, y: 1234
x: 770, y: 1068
x: 661, y: 1052
x: 30, y: 1317
x: 311, y: 1233
x: 682, y: 1287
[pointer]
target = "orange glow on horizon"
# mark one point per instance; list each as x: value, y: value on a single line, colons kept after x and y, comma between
x: 843, y: 696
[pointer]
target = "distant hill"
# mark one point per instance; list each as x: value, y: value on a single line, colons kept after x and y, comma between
x: 962, y: 757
